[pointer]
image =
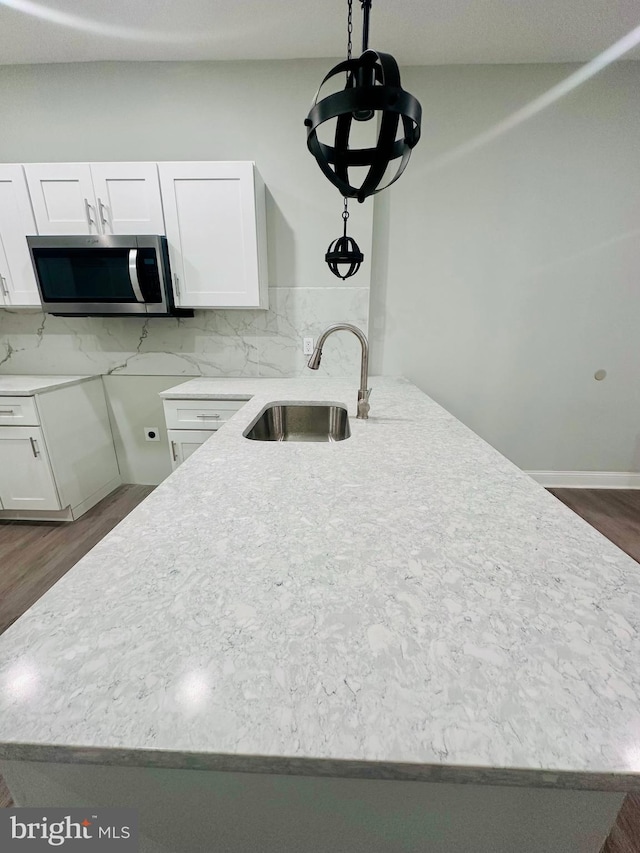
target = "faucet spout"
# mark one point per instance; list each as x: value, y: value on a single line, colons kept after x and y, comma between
x: 363, y: 391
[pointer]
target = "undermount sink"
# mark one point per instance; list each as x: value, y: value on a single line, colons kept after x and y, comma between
x: 300, y: 422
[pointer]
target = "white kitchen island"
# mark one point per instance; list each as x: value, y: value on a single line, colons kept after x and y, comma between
x: 396, y: 642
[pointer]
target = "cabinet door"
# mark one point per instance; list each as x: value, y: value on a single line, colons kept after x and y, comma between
x: 128, y: 198
x: 26, y: 480
x: 184, y: 442
x: 62, y: 198
x: 18, y: 284
x: 214, y: 213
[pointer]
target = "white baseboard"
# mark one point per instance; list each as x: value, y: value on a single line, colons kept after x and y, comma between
x: 586, y: 479
x: 36, y: 514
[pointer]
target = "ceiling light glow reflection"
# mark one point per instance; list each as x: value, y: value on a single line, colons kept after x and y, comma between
x: 20, y: 681
x: 87, y: 25
x: 193, y: 690
x: 555, y: 93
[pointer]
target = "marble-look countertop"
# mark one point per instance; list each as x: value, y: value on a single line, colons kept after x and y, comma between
x: 207, y: 388
x: 403, y: 604
x: 28, y: 385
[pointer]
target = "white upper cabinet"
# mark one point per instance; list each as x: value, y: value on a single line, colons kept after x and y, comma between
x: 95, y: 198
x: 62, y: 198
x: 128, y: 198
x: 215, y: 219
x: 17, y: 280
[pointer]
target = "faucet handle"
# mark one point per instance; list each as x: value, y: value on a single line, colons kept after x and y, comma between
x: 363, y: 409
x: 363, y: 403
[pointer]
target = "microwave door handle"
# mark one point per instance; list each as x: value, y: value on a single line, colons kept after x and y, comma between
x: 133, y: 274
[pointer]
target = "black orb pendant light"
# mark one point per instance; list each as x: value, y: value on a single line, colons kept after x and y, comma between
x: 372, y: 89
x: 343, y: 255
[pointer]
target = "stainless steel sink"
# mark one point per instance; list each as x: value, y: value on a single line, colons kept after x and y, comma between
x: 300, y: 422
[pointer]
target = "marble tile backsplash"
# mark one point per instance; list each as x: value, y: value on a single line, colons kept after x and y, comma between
x: 213, y: 343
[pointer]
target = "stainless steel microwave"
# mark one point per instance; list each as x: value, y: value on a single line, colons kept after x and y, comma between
x: 95, y: 276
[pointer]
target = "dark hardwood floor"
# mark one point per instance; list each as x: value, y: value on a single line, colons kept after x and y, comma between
x: 614, y: 512
x: 34, y: 556
x: 625, y: 835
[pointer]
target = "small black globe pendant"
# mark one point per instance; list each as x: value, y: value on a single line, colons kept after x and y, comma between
x: 343, y: 255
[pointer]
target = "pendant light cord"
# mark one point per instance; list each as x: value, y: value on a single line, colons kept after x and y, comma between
x: 366, y: 8
x: 345, y: 215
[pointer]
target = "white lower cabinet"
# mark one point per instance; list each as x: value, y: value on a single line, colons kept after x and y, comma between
x: 57, y: 457
x: 26, y: 481
x: 184, y: 442
x: 185, y: 419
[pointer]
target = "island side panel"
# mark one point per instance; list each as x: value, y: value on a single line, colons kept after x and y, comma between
x: 188, y: 811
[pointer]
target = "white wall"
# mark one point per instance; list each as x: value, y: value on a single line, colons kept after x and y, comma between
x: 187, y: 111
x: 192, y: 111
x: 503, y: 280
x: 134, y: 404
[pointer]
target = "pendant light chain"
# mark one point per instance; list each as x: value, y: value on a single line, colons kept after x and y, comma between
x: 345, y: 212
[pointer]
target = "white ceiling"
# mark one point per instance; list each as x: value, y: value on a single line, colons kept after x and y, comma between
x: 415, y: 31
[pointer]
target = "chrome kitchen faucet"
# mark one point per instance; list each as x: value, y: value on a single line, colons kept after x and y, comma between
x: 363, y: 392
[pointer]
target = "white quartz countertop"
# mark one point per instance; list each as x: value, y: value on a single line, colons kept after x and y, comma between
x: 27, y: 386
x: 403, y: 604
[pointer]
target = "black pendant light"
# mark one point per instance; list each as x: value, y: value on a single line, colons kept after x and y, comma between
x: 372, y: 88
x: 343, y: 255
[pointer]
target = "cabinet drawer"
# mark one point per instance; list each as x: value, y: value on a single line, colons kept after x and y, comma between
x: 18, y: 411
x: 199, y: 414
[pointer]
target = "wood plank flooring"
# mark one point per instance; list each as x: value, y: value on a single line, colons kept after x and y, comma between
x: 625, y: 835
x: 614, y: 512
x: 34, y: 556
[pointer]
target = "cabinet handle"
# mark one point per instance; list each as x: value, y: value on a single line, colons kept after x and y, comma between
x: 34, y: 447
x: 7, y: 411
x: 101, y: 210
x: 207, y: 417
x: 177, y: 283
x: 173, y: 451
x: 3, y: 282
x: 87, y: 209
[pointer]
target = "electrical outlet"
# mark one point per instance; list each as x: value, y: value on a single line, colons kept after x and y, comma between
x: 152, y: 433
x: 307, y: 346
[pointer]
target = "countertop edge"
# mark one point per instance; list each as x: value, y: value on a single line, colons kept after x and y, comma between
x: 63, y: 383
x: 622, y: 782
